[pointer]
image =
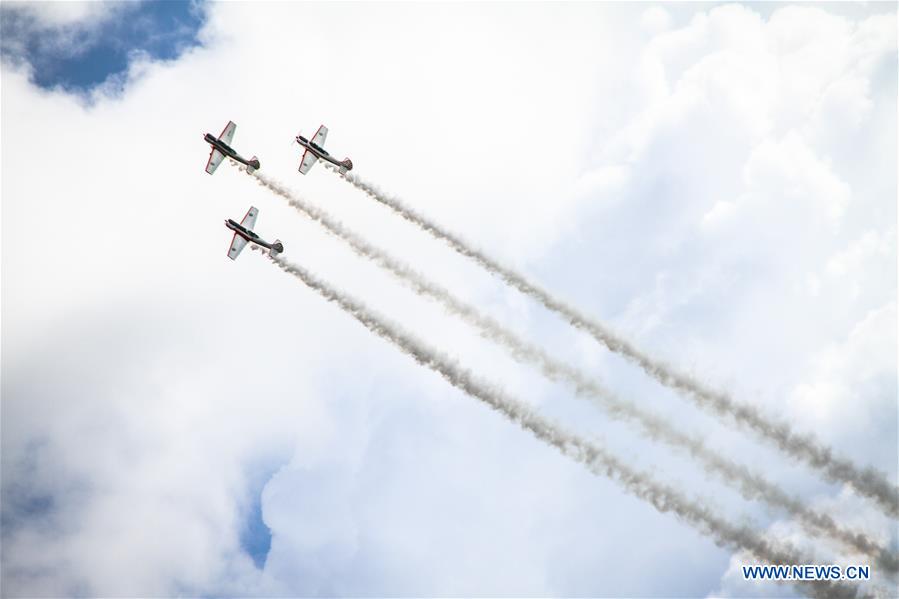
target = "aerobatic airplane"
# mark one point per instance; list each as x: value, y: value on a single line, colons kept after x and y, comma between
x: 314, y: 151
x: 221, y: 148
x: 243, y: 234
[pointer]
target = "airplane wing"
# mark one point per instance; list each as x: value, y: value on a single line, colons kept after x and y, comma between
x: 249, y: 221
x: 308, y: 160
x: 237, y: 244
x: 228, y: 133
x: 320, y: 136
x: 215, y: 159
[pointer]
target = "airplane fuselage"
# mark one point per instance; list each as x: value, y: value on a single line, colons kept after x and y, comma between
x: 249, y: 235
x: 227, y: 150
x: 319, y: 152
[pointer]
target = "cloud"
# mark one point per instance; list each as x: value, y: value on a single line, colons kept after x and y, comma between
x: 787, y: 177
x: 52, y: 15
x: 656, y: 19
x: 848, y: 375
x: 147, y: 380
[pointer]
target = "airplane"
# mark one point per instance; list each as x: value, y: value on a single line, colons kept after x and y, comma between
x: 314, y: 151
x: 221, y: 148
x: 243, y: 234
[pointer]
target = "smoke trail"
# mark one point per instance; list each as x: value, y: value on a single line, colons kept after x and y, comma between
x: 866, y: 481
x: 595, y: 457
x: 751, y: 485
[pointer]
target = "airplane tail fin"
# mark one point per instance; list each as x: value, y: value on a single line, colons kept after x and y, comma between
x: 346, y: 165
x: 277, y: 248
x: 253, y: 165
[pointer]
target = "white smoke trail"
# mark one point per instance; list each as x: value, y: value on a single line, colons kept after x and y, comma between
x: 596, y: 458
x: 805, y: 447
x: 751, y: 485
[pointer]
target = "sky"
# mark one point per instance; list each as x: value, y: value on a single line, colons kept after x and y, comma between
x: 78, y: 46
x: 715, y: 182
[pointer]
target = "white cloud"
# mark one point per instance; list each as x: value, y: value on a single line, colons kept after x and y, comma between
x: 146, y: 378
x: 51, y: 15
x: 656, y: 20
x: 784, y: 177
x: 845, y: 375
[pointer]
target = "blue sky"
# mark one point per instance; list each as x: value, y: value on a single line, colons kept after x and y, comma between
x: 714, y: 183
x: 160, y: 29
